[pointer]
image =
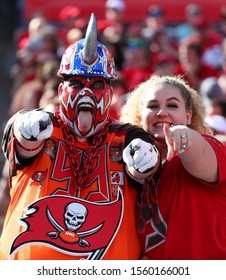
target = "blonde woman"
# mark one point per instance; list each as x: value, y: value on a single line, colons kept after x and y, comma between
x: 187, y: 216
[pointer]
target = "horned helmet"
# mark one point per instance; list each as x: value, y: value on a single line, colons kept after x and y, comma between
x: 85, y: 95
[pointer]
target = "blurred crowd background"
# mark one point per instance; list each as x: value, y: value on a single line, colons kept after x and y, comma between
x: 31, y: 49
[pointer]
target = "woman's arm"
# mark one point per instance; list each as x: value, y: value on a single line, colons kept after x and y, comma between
x: 196, y: 154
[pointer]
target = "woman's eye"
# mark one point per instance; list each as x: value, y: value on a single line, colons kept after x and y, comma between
x: 75, y: 84
x: 152, y: 106
x: 97, y: 85
x: 172, y: 105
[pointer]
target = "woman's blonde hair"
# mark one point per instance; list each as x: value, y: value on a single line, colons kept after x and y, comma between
x: 131, y: 111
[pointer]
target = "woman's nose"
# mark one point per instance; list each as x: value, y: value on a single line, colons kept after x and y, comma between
x: 162, y: 112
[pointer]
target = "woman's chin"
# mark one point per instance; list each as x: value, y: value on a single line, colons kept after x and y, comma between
x: 159, y: 136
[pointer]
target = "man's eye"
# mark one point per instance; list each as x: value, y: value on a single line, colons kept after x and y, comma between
x: 97, y: 85
x: 75, y: 84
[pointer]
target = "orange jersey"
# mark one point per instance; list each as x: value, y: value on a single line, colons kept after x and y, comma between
x: 49, y: 218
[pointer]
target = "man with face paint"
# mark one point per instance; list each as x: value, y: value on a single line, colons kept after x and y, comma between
x: 75, y: 175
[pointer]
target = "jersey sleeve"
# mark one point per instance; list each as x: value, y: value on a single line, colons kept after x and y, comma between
x: 137, y: 132
x: 8, y: 146
x: 220, y: 151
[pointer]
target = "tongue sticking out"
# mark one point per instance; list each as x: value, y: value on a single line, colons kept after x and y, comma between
x: 85, y: 120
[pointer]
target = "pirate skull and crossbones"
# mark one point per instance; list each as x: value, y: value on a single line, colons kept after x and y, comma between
x: 74, y: 217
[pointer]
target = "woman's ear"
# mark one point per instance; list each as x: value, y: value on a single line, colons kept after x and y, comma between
x: 189, y: 116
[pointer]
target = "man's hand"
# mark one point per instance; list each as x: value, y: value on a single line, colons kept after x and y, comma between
x: 34, y: 125
x: 141, y: 155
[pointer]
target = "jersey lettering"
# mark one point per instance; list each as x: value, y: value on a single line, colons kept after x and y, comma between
x: 62, y: 172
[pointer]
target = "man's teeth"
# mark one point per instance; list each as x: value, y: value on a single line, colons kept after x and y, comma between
x: 86, y: 105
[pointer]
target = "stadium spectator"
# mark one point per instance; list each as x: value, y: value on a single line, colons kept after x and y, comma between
x: 160, y: 37
x: 190, y: 65
x: 113, y: 25
x: 112, y: 29
x: 137, y: 63
x: 220, y: 26
x: 210, y: 90
x: 70, y: 17
x: 163, y: 64
x: 28, y: 95
x: 193, y: 16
